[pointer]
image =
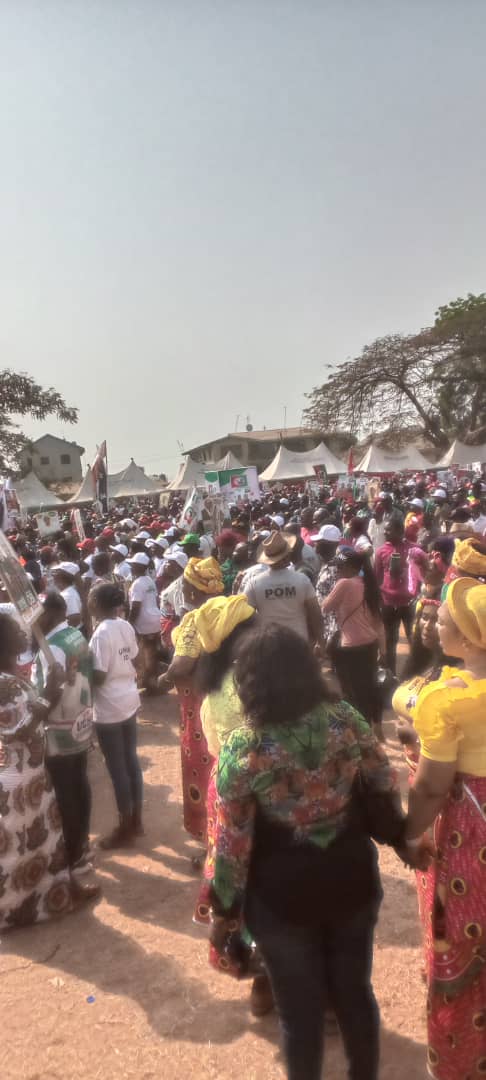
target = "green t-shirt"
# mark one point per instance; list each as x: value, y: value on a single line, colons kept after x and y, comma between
x: 69, y: 727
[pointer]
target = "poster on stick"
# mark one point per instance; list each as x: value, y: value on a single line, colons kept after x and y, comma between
x: 192, y: 512
x: 19, y: 587
x: 77, y: 523
x: 48, y: 523
x: 10, y: 512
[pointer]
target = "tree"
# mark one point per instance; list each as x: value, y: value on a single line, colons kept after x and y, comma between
x: 433, y: 381
x: 20, y: 395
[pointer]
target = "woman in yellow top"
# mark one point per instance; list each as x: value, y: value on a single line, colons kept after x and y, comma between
x: 449, y: 792
x: 202, y: 579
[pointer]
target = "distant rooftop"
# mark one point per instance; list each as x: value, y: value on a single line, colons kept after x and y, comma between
x: 266, y: 435
x: 57, y: 438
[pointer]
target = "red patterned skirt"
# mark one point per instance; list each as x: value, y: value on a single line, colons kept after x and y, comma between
x: 196, y: 764
x: 452, y: 903
x: 201, y: 914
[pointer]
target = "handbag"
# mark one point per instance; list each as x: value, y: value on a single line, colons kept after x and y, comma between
x: 334, y: 641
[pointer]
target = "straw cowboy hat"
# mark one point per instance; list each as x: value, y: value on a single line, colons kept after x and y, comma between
x: 276, y: 548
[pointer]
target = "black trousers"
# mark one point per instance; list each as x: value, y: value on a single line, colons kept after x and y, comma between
x: 315, y: 967
x: 69, y: 776
x: 356, y: 669
x: 392, y: 617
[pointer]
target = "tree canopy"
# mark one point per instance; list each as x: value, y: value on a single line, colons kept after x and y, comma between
x: 20, y: 395
x: 433, y: 381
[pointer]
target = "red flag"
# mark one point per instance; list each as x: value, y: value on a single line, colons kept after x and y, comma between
x: 350, y: 462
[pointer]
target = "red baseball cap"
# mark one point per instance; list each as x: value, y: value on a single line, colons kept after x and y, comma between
x: 86, y: 545
x: 108, y: 534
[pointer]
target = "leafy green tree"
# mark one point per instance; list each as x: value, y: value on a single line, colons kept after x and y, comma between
x: 433, y: 381
x: 20, y: 395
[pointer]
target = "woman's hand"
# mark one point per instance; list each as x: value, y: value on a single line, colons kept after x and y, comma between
x: 407, y: 734
x: 417, y: 856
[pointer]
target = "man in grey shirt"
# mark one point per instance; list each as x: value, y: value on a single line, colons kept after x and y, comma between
x: 281, y: 594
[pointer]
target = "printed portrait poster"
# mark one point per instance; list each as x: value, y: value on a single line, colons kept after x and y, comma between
x: 19, y: 587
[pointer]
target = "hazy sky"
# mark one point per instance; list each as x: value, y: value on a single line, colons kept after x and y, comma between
x: 201, y: 202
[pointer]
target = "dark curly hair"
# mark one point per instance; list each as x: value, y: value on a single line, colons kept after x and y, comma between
x: 212, y: 667
x: 278, y: 677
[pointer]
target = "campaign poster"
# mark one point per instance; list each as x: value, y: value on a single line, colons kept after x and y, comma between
x: 77, y: 523
x: 192, y: 512
x: 19, y: 587
x: 48, y: 523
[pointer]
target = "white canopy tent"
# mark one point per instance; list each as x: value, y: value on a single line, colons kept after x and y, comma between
x: 378, y: 460
x: 322, y: 455
x: 32, y: 494
x: 190, y: 474
x: 461, y: 454
x: 86, y: 493
x: 229, y: 461
x: 292, y: 465
x: 131, y: 482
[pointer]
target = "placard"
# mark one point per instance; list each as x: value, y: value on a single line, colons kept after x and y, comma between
x: 19, y: 587
x: 48, y: 523
x: 77, y: 522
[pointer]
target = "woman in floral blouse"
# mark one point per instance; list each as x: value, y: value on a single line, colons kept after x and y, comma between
x: 294, y: 854
x: 35, y: 882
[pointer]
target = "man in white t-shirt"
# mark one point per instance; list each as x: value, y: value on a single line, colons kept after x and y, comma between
x: 283, y: 595
x: 157, y: 549
x: 116, y: 700
x: 144, y: 616
x: 121, y: 569
x: 65, y: 576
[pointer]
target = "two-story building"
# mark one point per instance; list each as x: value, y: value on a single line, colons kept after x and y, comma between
x: 259, y: 447
x: 54, y: 460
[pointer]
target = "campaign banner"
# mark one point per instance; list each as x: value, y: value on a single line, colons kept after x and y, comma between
x: 192, y: 512
x: 237, y: 485
x: 19, y: 587
x: 48, y: 523
x: 10, y: 512
x: 77, y: 523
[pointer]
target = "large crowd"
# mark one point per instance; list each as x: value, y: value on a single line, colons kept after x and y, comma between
x: 280, y: 636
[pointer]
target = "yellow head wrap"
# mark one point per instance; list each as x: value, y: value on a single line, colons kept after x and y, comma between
x: 217, y: 618
x: 205, y: 576
x: 468, y: 558
x: 466, y: 601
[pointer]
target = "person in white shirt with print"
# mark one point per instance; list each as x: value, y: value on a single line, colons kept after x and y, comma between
x: 116, y: 700
x: 65, y: 577
x: 144, y: 615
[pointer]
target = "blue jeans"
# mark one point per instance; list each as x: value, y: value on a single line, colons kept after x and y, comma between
x: 312, y: 968
x: 118, y: 744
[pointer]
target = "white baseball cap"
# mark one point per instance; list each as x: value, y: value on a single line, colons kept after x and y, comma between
x: 331, y: 533
x: 140, y: 559
x: 278, y: 520
x: 70, y: 568
x: 121, y: 549
x: 178, y: 557
x: 172, y: 531
x: 439, y: 493
x: 418, y: 503
x: 143, y: 536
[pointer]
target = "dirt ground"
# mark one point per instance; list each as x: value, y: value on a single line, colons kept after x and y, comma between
x: 124, y: 990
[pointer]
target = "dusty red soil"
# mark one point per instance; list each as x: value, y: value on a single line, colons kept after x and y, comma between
x: 159, y: 1009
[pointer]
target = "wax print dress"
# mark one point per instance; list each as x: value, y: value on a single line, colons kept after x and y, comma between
x: 196, y: 759
x: 450, y: 722
x: 34, y: 881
